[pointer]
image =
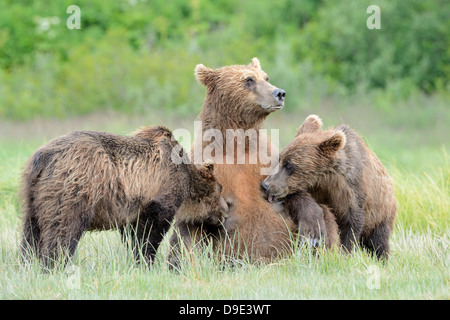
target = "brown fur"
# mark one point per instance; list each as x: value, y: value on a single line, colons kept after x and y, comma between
x: 96, y: 181
x: 235, y: 102
x: 338, y: 169
x: 316, y: 222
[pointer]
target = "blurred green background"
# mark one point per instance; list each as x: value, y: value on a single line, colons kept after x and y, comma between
x: 139, y: 55
x: 135, y: 59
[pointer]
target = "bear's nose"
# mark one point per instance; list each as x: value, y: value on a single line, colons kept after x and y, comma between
x: 265, y: 185
x: 279, y: 94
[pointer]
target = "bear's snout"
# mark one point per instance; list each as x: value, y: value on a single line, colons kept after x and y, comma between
x: 279, y: 94
x: 273, y: 190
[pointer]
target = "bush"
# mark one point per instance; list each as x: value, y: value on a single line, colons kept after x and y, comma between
x: 412, y: 44
x: 138, y: 54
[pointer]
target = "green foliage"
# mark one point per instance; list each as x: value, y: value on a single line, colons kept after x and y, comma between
x: 138, y: 55
x: 412, y: 44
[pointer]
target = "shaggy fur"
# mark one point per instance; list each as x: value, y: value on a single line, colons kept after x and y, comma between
x: 241, y: 97
x: 237, y: 97
x: 338, y: 169
x: 316, y: 222
x: 97, y: 181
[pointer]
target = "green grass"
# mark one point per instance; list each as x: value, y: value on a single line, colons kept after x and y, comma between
x: 104, y: 269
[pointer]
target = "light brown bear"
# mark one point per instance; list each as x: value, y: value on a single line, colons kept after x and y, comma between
x: 90, y: 180
x: 238, y: 99
x: 338, y: 169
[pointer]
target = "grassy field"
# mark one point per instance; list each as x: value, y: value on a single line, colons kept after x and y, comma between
x: 131, y: 64
x: 413, y: 144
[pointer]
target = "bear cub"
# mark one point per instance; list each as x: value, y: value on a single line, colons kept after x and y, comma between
x: 338, y: 170
x: 90, y: 180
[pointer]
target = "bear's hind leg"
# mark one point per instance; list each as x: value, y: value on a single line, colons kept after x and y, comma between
x: 377, y: 241
x: 60, y: 237
x: 31, y: 237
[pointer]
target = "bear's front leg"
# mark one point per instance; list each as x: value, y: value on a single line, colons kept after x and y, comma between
x: 180, y: 242
x: 305, y: 211
x: 352, y: 228
x: 153, y: 223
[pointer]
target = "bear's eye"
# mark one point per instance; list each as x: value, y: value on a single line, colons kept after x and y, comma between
x: 289, y: 167
x: 267, y: 79
x: 249, y: 81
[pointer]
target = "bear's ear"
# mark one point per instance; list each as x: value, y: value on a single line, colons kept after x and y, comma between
x: 312, y: 124
x: 206, y: 76
x: 208, y: 164
x: 255, y: 63
x: 207, y: 169
x: 332, y: 145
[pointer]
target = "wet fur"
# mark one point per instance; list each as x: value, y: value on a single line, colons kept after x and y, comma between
x: 338, y: 170
x: 316, y: 222
x: 90, y: 180
x: 254, y: 227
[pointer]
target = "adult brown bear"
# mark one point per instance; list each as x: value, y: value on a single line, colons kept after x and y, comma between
x: 238, y: 99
